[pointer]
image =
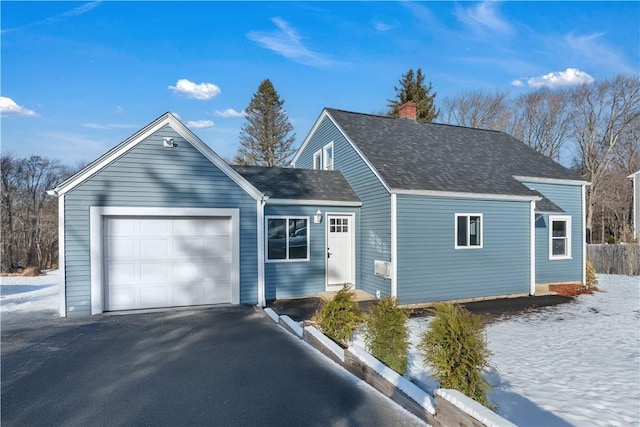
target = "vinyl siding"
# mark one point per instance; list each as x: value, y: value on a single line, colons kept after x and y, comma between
x: 569, y: 199
x: 375, y: 214
x: 152, y: 176
x: 431, y: 269
x: 303, y: 278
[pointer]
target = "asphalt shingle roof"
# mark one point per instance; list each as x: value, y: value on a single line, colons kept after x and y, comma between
x: 299, y: 184
x: 412, y: 155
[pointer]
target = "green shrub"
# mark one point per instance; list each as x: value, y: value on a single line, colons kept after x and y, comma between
x: 386, y: 335
x: 592, y: 281
x: 338, y: 318
x: 611, y: 240
x: 455, y: 348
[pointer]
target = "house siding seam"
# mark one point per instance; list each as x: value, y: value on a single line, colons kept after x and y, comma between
x: 150, y: 175
x: 430, y: 269
x: 569, y: 199
x: 375, y: 215
x: 294, y: 279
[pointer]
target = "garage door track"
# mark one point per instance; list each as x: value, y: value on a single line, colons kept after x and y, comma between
x: 228, y: 366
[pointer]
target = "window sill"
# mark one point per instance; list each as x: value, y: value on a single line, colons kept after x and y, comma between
x: 559, y: 258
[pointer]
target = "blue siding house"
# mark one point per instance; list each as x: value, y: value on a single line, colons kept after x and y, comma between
x: 420, y: 211
x: 451, y: 213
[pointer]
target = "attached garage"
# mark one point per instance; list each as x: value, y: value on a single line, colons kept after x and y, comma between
x: 145, y: 258
x: 166, y: 262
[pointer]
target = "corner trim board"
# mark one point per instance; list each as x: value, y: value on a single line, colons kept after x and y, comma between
x: 62, y: 279
x: 394, y: 245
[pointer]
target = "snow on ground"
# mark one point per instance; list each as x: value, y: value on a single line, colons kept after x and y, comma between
x: 29, y: 294
x: 575, y: 364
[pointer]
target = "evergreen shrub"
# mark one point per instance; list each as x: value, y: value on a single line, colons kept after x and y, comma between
x: 455, y: 348
x: 339, y: 317
x: 386, y: 335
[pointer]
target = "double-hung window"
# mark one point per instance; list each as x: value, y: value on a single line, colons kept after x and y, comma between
x: 327, y: 160
x: 287, y: 238
x: 468, y: 231
x: 559, y: 237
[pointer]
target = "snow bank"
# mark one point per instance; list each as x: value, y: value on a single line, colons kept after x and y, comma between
x: 29, y: 294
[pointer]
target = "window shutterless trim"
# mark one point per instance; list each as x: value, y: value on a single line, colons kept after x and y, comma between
x: 286, y: 219
x: 317, y: 155
x: 567, y: 220
x: 468, y: 231
x: 325, y: 149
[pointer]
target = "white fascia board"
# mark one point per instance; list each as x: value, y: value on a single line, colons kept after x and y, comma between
x: 551, y: 180
x: 633, y: 175
x: 323, y: 115
x: 302, y: 202
x: 461, y: 195
x: 132, y: 141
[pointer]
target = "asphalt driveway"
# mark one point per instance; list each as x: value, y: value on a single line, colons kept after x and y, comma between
x: 216, y: 367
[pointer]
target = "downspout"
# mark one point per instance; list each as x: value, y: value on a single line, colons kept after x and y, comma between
x: 260, y: 214
x: 532, y: 247
x: 394, y: 245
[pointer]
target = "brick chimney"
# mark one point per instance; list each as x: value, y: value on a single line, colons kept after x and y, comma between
x: 408, y: 110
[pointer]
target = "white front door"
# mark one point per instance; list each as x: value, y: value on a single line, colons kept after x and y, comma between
x: 340, y: 251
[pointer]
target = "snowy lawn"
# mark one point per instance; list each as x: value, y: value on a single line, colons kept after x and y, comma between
x: 573, y: 364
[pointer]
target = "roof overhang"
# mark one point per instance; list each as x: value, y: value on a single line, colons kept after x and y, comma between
x: 633, y: 175
x: 463, y: 195
x: 166, y: 119
x: 551, y: 180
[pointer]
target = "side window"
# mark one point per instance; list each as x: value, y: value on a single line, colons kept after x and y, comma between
x: 468, y: 231
x: 317, y: 160
x: 287, y: 239
x: 559, y: 237
x: 328, y: 156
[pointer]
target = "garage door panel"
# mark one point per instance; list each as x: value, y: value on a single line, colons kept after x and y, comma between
x: 155, y: 296
x: 120, y: 248
x: 154, y: 226
x: 164, y: 262
x: 155, y: 272
x: 154, y: 248
x: 187, y: 247
x: 118, y: 274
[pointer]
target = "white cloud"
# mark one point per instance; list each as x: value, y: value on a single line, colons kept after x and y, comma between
x: 287, y: 42
x: 200, y: 124
x: 569, y: 77
x: 593, y: 48
x: 71, y: 13
x: 517, y: 83
x: 119, y: 109
x: 8, y: 107
x: 229, y: 112
x: 202, y: 91
x: 381, y: 26
x: 483, y: 16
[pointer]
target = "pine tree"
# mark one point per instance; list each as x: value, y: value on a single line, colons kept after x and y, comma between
x: 264, y: 138
x: 413, y: 88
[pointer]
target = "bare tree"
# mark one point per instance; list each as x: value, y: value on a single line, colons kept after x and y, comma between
x: 478, y: 109
x: 540, y: 121
x: 601, y: 115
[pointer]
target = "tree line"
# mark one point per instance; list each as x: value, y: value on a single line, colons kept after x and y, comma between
x: 28, y: 216
x: 598, y: 124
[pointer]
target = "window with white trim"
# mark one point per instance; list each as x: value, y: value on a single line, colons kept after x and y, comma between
x: 327, y: 160
x: 559, y: 237
x: 287, y: 238
x: 468, y: 230
x: 317, y: 160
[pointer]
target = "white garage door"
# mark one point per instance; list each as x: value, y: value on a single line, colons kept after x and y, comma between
x: 165, y: 262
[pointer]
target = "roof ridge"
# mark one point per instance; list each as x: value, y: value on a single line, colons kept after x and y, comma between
x: 416, y: 121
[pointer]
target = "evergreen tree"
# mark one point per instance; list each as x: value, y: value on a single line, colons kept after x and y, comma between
x: 264, y: 138
x: 413, y: 88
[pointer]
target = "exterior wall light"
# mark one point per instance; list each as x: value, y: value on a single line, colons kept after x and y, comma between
x: 317, y: 218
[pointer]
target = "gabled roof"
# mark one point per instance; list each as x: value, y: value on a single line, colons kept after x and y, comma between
x: 166, y: 119
x: 299, y: 184
x: 633, y: 175
x: 418, y: 156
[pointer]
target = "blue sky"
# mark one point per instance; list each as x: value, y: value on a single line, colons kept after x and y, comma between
x: 78, y: 78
